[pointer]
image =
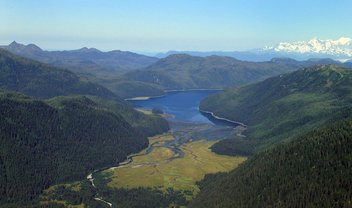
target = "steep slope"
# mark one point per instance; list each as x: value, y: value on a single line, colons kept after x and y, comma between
x: 191, y: 72
x: 288, y: 104
x: 63, y: 140
x: 43, y: 81
x: 311, y: 171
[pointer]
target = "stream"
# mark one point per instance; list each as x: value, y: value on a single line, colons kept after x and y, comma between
x: 180, y: 135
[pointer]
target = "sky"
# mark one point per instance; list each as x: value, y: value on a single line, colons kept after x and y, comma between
x: 163, y: 25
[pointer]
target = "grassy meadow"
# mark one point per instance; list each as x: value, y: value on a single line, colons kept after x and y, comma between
x: 158, y: 170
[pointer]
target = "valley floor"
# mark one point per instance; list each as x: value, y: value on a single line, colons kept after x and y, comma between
x: 176, y: 160
x: 166, y: 167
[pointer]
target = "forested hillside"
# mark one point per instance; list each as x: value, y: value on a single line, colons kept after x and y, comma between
x: 188, y: 72
x: 313, y: 170
x: 43, y: 144
x: 284, y: 106
x: 148, y: 125
x: 43, y: 81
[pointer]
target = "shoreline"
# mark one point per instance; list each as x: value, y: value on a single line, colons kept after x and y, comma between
x: 201, y: 89
x: 143, y: 97
x: 222, y: 118
x: 166, y: 93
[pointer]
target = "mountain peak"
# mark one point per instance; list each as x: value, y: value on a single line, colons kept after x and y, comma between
x: 18, y: 47
x: 85, y: 49
x: 15, y: 45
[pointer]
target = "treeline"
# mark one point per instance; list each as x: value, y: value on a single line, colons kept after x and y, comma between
x: 313, y: 170
x: 43, y: 144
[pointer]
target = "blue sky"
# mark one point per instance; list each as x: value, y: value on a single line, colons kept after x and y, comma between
x: 162, y: 25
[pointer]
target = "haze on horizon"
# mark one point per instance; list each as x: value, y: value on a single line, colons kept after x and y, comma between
x: 156, y: 25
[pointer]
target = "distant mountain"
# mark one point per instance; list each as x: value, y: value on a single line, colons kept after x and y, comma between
x: 308, y: 62
x: 43, y: 81
x: 15, y: 47
x: 341, y: 47
x: 63, y: 139
x: 310, y: 171
x: 183, y: 71
x: 348, y: 63
x: 84, y: 60
x: 252, y: 55
x: 284, y: 106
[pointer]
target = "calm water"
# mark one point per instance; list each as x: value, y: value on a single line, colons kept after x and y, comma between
x: 183, y: 105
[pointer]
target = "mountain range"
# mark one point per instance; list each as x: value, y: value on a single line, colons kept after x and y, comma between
x: 132, y: 75
x: 182, y: 71
x: 84, y: 60
x: 340, y: 49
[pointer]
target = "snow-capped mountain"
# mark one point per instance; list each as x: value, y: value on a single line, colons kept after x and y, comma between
x: 341, y: 47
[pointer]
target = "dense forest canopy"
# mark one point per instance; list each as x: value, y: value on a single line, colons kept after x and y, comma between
x: 43, y: 144
x: 313, y: 170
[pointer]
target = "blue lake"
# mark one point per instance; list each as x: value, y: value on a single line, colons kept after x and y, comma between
x: 183, y: 105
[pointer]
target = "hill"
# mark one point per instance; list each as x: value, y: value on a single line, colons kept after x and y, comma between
x: 285, y: 105
x: 311, y: 171
x: 43, y: 81
x: 182, y: 71
x: 147, y: 125
x: 190, y: 72
x: 43, y: 143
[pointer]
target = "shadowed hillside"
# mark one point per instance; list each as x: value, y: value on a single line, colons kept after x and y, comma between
x: 43, y: 81
x: 311, y: 171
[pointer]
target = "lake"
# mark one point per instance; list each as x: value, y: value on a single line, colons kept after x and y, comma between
x: 183, y: 105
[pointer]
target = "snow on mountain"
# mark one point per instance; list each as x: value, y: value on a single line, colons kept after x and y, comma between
x: 339, y: 47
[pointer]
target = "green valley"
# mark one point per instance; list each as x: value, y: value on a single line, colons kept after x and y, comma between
x: 161, y: 175
x: 175, y: 104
